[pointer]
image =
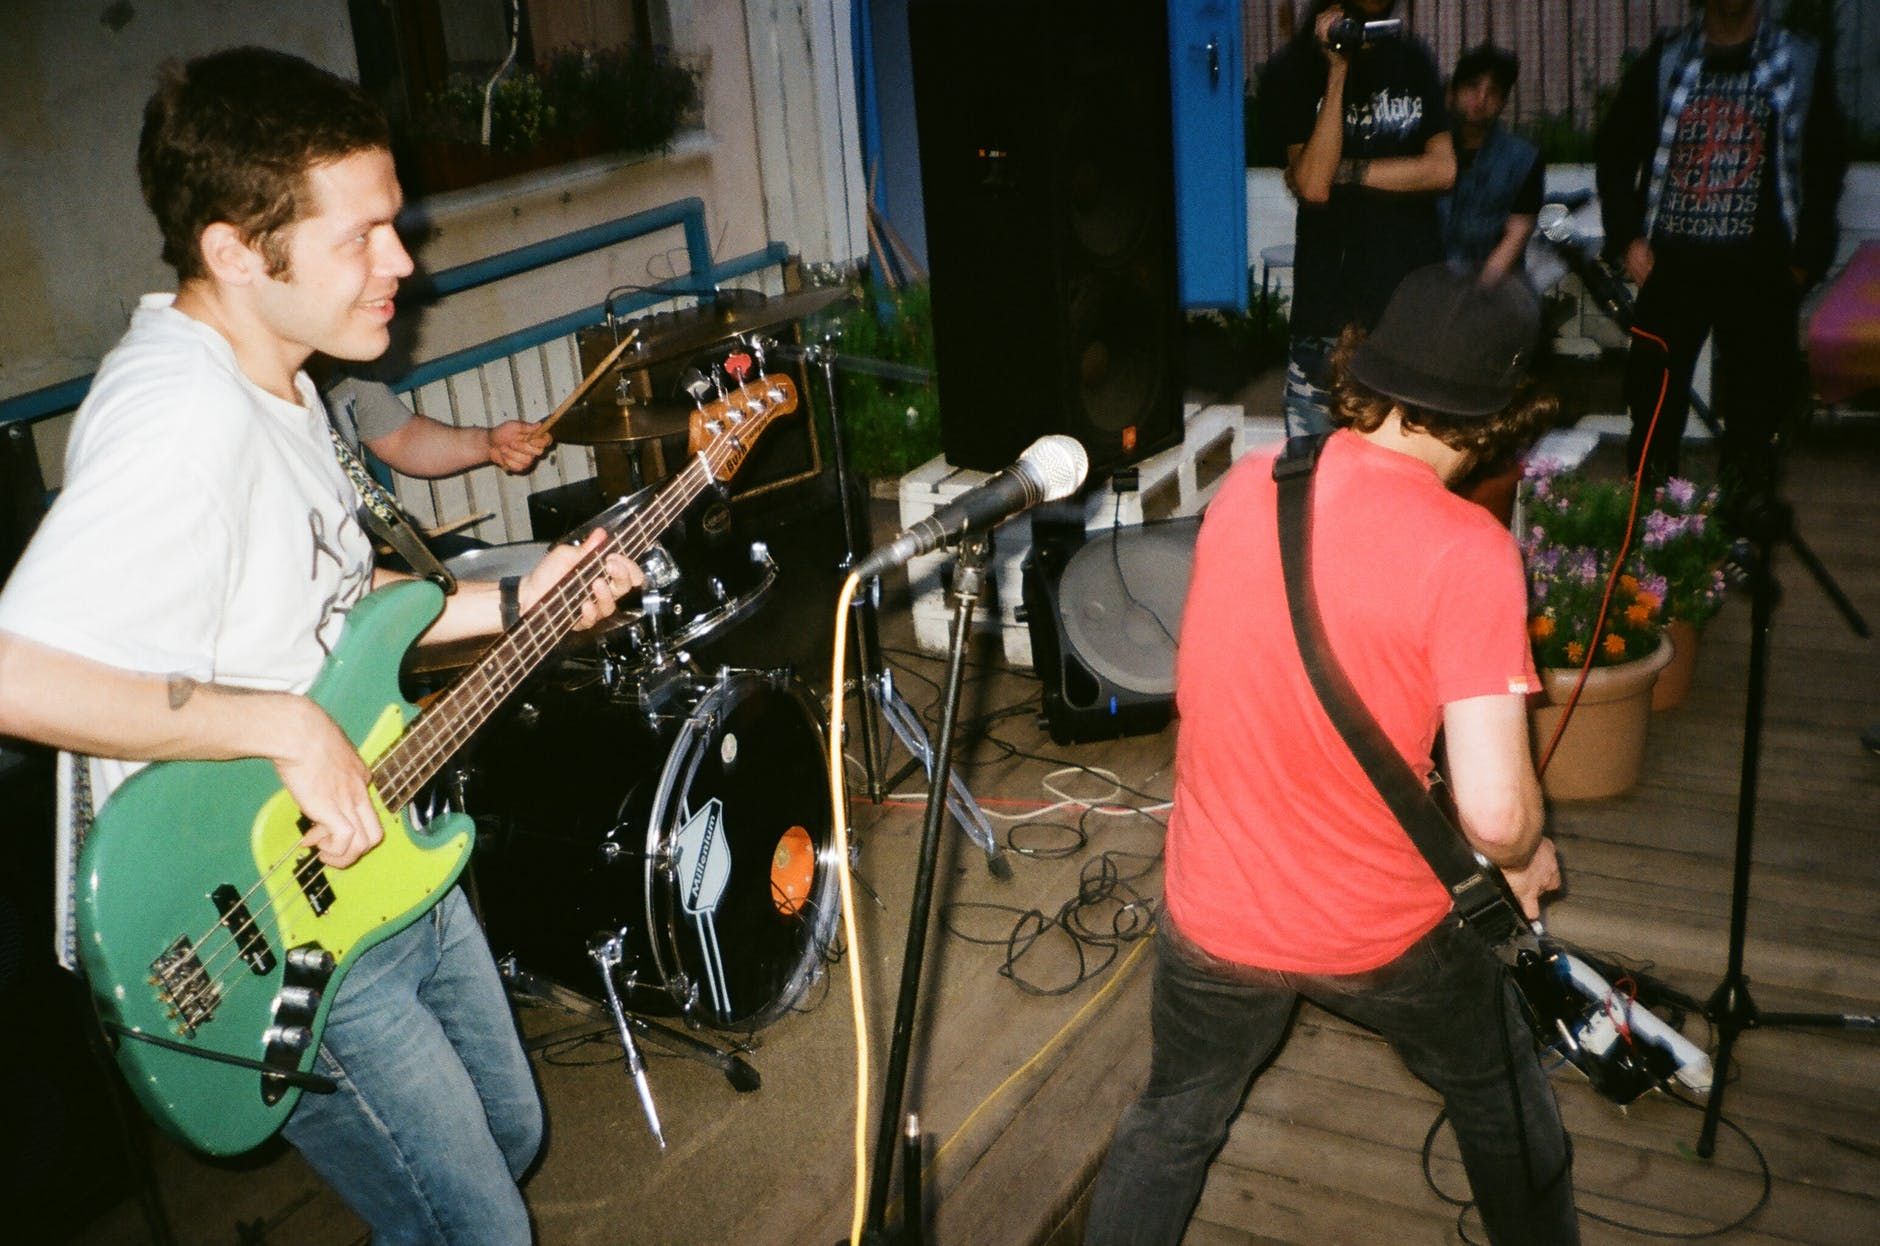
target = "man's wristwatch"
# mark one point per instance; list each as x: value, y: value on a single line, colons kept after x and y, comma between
x: 509, y: 595
x: 1350, y: 171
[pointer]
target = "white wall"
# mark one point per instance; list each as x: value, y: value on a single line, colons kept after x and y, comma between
x: 77, y: 246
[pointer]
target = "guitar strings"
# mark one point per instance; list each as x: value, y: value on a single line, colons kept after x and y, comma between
x: 537, y: 636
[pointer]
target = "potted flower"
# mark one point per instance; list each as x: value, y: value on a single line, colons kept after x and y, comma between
x: 1575, y: 528
x: 1683, y: 545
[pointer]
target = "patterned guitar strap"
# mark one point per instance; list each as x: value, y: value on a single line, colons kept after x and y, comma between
x: 386, y: 519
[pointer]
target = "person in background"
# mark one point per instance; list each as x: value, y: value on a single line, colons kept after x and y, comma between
x: 1720, y: 166
x: 368, y: 413
x: 1489, y: 215
x: 1367, y: 144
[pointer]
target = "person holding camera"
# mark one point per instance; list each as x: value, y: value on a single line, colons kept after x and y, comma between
x: 1361, y: 115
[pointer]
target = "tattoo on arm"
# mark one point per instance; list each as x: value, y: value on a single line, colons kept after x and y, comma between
x: 182, y: 688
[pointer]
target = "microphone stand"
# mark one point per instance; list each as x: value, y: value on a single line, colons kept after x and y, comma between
x: 968, y: 582
x: 1768, y: 520
x: 1611, y: 297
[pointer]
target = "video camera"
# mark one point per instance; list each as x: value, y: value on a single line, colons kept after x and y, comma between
x: 1348, y: 34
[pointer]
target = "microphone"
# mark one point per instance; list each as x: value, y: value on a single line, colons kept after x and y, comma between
x: 1050, y: 468
x: 1600, y: 281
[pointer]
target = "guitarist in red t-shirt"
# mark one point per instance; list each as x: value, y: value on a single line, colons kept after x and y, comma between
x: 1287, y: 873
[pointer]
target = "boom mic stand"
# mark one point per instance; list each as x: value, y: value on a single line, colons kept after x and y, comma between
x: 876, y: 682
x: 1607, y: 290
x: 1768, y: 520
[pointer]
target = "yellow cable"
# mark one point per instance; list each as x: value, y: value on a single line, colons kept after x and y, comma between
x: 1109, y: 987
x: 839, y: 805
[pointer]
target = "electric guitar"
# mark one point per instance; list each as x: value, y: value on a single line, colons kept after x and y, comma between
x: 214, y: 944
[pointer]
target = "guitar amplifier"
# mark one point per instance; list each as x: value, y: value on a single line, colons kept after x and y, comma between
x: 1104, y: 611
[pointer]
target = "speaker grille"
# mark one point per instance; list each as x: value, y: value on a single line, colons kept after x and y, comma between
x: 1049, y: 194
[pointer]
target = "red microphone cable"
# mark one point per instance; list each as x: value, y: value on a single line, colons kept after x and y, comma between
x: 1625, y: 547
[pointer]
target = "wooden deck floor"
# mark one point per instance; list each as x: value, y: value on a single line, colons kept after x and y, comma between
x: 1019, y: 1092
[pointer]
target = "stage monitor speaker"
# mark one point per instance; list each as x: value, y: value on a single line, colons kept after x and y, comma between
x: 1104, y: 613
x: 1047, y: 177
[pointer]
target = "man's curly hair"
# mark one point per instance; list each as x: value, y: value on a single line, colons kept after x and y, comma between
x: 1487, y: 439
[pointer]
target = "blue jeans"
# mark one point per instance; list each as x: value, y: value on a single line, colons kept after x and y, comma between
x: 1307, y: 402
x: 437, y: 1115
x: 1445, y: 1006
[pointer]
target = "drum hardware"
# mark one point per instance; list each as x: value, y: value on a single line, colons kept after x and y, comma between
x: 880, y: 699
x: 702, y: 834
x: 606, y: 954
x: 525, y: 985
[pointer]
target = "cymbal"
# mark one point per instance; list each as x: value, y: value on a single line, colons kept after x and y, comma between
x: 602, y: 420
x: 674, y: 335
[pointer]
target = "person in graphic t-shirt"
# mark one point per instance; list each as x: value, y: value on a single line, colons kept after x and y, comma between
x: 1720, y: 165
x: 1366, y: 136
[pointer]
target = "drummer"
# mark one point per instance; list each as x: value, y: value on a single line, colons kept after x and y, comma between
x: 368, y: 413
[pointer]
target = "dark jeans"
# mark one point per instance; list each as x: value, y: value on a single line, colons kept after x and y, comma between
x: 1751, y: 308
x: 1444, y: 1005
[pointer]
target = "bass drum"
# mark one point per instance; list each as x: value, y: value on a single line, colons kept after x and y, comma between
x: 701, y: 839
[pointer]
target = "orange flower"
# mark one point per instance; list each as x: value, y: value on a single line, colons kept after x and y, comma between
x: 1649, y: 601
x: 1575, y: 651
x: 1615, y: 645
x: 1639, y: 613
x: 1540, y: 627
x: 1629, y: 583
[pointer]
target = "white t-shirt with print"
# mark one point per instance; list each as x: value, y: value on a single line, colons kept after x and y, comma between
x: 204, y: 529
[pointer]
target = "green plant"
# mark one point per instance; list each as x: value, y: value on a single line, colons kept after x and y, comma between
x: 634, y: 98
x: 520, y: 114
x: 626, y: 99
x: 1575, y: 530
x: 888, y: 427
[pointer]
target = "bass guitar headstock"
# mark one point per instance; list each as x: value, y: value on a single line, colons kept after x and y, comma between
x: 725, y: 430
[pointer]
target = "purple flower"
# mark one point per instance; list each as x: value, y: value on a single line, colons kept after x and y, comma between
x: 1659, y: 528
x: 1680, y: 491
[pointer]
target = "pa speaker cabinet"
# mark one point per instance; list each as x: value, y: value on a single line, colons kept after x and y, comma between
x: 1047, y: 178
x: 1105, y: 610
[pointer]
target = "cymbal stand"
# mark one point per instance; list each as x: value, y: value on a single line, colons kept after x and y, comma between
x: 880, y: 698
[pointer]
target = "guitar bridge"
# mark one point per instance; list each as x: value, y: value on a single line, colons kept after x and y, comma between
x: 186, y: 992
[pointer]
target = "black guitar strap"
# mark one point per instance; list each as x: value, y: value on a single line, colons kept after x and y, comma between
x: 1478, y: 899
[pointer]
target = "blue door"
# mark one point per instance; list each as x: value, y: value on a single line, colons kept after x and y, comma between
x: 1207, y: 77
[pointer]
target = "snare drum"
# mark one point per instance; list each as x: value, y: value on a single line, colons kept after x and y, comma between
x: 702, y: 838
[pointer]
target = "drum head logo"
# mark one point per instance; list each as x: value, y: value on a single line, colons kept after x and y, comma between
x: 704, y: 858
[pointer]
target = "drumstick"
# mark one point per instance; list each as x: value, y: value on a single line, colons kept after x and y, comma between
x: 587, y: 383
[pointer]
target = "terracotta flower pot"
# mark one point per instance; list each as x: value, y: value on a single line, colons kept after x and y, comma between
x: 1674, y: 682
x: 1603, y: 749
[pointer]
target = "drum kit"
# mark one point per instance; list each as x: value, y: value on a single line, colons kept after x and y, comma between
x: 652, y: 826
x: 655, y: 837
